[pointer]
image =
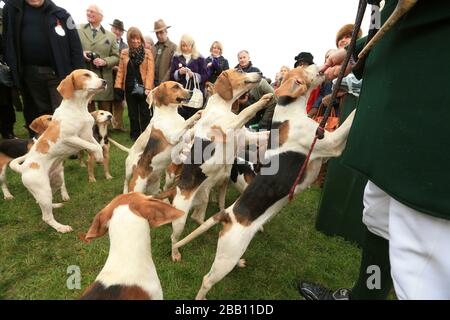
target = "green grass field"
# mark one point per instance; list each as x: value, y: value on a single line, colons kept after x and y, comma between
x: 34, y: 258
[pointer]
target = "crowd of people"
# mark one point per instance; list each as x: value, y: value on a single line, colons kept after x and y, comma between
x: 132, y: 65
x: 406, y: 211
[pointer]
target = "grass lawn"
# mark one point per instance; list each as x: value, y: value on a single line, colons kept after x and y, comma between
x: 34, y: 258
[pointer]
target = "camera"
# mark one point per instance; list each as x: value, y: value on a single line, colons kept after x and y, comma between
x: 92, y: 55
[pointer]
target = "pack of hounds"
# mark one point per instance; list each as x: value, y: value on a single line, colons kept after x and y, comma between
x: 195, y: 157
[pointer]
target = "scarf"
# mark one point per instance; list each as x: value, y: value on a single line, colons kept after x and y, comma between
x: 137, y: 55
x: 187, y: 57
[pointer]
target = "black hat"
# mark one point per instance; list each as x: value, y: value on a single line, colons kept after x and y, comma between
x: 304, y: 57
x: 118, y: 24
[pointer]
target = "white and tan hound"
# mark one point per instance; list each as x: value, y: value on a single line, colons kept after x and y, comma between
x: 129, y: 272
x: 69, y: 132
x: 151, y: 154
x: 210, y: 160
x: 100, y: 132
x: 15, y: 148
x: 268, y: 194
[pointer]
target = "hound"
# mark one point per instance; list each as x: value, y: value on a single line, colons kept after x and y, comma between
x: 14, y: 148
x: 209, y: 162
x: 129, y: 272
x: 69, y: 132
x: 151, y: 154
x: 100, y: 132
x: 268, y: 193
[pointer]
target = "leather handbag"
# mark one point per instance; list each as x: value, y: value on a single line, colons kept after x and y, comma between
x: 138, y: 90
x: 5, y: 75
x: 333, y: 120
x: 196, y: 101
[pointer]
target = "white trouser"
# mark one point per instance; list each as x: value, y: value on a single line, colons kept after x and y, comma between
x: 418, y: 246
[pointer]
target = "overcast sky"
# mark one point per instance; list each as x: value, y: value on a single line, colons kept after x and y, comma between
x: 274, y: 32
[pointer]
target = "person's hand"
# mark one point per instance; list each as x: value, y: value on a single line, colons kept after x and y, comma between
x: 99, y: 62
x: 147, y: 92
x: 332, y: 66
x: 190, y: 73
x: 183, y: 70
x: 326, y: 100
x: 85, y: 53
x: 209, y: 65
x: 266, y: 98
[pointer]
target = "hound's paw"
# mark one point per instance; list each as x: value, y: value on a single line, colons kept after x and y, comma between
x: 92, y: 179
x: 242, y: 263
x: 64, y: 229
x: 176, y: 256
x: 65, y: 197
x: 108, y: 177
x: 8, y: 197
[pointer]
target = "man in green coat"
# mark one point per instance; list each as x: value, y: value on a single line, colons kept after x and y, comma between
x: 101, y: 53
x: 399, y: 141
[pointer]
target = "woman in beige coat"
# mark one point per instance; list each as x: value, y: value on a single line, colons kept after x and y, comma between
x: 136, y: 69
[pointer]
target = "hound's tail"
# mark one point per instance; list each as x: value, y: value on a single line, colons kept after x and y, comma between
x: 16, y: 164
x: 211, y: 222
x: 119, y: 146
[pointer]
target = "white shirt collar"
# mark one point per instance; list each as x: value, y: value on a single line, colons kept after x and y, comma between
x: 92, y: 27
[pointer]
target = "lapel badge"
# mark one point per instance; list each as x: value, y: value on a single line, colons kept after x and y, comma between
x: 59, y: 29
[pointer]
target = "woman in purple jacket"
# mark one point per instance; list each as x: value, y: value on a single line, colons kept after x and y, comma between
x: 186, y: 64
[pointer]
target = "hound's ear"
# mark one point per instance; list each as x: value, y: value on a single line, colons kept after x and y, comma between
x: 151, y: 97
x: 95, y: 115
x: 66, y: 87
x: 101, y: 221
x: 223, y: 87
x: 312, y: 73
x: 209, y: 88
x: 311, y: 68
x: 155, y: 211
x: 98, y: 227
x: 38, y: 126
x: 160, y: 96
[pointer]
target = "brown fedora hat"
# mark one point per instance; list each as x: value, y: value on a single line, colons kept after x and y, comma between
x: 118, y: 24
x: 160, y: 26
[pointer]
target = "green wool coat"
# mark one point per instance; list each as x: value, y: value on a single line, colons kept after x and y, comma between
x: 400, y: 135
x: 105, y: 45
